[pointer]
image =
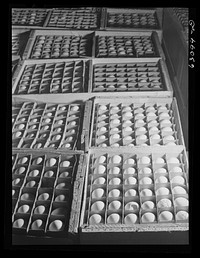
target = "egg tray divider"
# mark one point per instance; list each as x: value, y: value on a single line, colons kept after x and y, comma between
x: 135, y: 36
x: 156, y: 152
x: 36, y: 34
x: 134, y: 12
x: 19, y: 40
x: 73, y: 193
x: 64, y: 21
x: 54, y: 75
x: 27, y: 13
x: 78, y: 144
x: 132, y: 71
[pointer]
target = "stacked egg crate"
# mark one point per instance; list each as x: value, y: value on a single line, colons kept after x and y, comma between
x: 182, y: 15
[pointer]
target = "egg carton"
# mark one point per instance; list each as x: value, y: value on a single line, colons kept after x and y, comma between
x: 127, y: 44
x: 134, y: 20
x: 146, y: 76
x: 29, y: 17
x: 51, y: 44
x: 136, y: 191
x: 134, y: 122
x: 49, y: 125
x: 46, y: 187
x: 86, y: 18
x: 19, y: 40
x: 51, y: 76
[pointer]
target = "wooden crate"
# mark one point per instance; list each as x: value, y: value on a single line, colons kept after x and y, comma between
x: 29, y: 18
x: 130, y: 27
x: 131, y: 36
x: 110, y: 231
x: 132, y: 84
x: 71, y: 136
x: 132, y: 137
x: 61, y: 76
x: 19, y: 40
x: 22, y: 192
x: 45, y: 34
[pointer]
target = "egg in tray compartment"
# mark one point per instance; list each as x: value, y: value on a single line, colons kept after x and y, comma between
x: 42, y: 192
x: 125, y: 46
x: 52, y: 77
x: 134, y: 189
x: 45, y: 125
x: 75, y: 18
x: 134, y: 124
x: 29, y: 17
x: 134, y: 76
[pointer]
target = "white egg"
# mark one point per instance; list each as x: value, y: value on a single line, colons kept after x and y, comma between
x: 146, y: 181
x: 139, y: 116
x: 164, y: 115
x: 161, y: 170
x: 148, y: 205
x: 27, y: 197
x: 128, y: 129
x: 163, y: 203
x: 182, y: 215
x: 66, y: 145
x: 139, y: 123
x: 55, y: 225
x: 165, y: 216
x: 132, y: 206
x: 22, y: 160
x: 176, y: 169
x: 152, y: 123
x: 74, y: 108
x: 99, y: 180
x: 170, y: 144
x: 60, y: 198
x: 128, y: 114
x: 43, y: 197
x: 138, y: 110
x: 114, y: 205
x: 102, y: 107
x: 140, y: 130
x: 129, y: 170
x: 151, y: 114
x: 39, y: 209
x: 178, y: 190
x: 37, y: 161
x: 65, y: 164
x: 16, y: 181
x: 173, y: 160
x: 114, y: 130
x: 129, y: 161
x: 154, y: 129
x: 128, y: 138
x: 166, y: 122
x: 162, y: 108
x: 97, y: 206
x: 169, y: 138
x: 146, y: 192
x: 167, y: 129
x: 114, y: 170
x: 115, y: 136
x: 103, y: 129
x: 56, y: 137
x: 47, y: 120
x: 145, y: 170
x: 145, y: 160
x: 18, y: 223
x: 101, y: 159
x: 181, y: 201
x: 126, y: 108
x: 61, y: 186
x: 114, y: 193
x: 130, y: 181
x: 95, y: 219
x: 37, y: 224
x: 142, y: 137
x: 130, y: 219
x: 130, y: 193
x: 159, y: 161
x: 178, y: 180
x: 31, y: 184
x: 51, y: 162
x: 113, y: 218
x: 161, y: 180
x: 150, y: 109
x: 23, y: 209
x: 116, y: 159
x: 127, y: 123
x: 155, y: 137
x: 162, y: 191
x: 98, y: 193
x: 115, y: 181
x: 59, y: 211
x: 115, y: 121
x: 64, y: 174
x: 20, y: 170
x: 100, y: 169
x: 148, y: 217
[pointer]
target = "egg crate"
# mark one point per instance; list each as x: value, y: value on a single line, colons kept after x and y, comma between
x: 45, y: 44
x: 45, y: 193
x: 39, y: 125
x: 136, y: 191
x: 51, y: 76
x: 134, y: 122
x: 131, y: 75
x: 85, y: 18
x: 127, y: 44
x: 19, y: 39
x: 127, y: 19
x: 29, y: 17
x: 182, y: 15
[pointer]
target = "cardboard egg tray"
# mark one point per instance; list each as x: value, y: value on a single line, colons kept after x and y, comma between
x: 49, y: 125
x: 127, y: 19
x: 51, y: 76
x: 134, y: 122
x: 127, y: 44
x: 29, y: 17
x: 19, y: 40
x: 147, y: 75
x: 86, y: 18
x: 45, y: 193
x: 51, y: 44
x: 135, y: 191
